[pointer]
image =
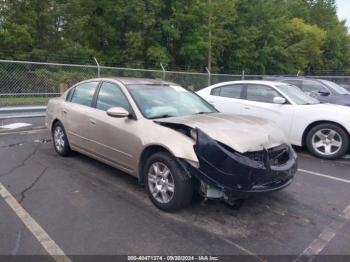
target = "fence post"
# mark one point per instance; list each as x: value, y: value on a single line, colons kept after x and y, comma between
x: 209, y: 76
x: 243, y: 74
x: 98, y: 67
x: 163, y: 69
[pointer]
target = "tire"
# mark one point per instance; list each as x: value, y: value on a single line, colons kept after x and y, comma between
x: 327, y: 141
x: 60, y: 140
x: 169, y: 176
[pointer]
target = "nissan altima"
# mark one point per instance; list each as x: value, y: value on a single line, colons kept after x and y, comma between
x: 171, y: 139
x: 323, y: 128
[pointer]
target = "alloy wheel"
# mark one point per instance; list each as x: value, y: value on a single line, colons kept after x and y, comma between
x: 161, y: 182
x: 59, y: 138
x: 327, y: 141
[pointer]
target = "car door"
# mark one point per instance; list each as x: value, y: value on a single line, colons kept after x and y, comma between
x: 227, y: 98
x: 114, y: 139
x: 76, y: 112
x: 259, y: 103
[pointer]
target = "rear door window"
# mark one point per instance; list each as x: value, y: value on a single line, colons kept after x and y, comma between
x: 84, y: 93
x: 69, y: 95
x: 215, y: 91
x: 231, y: 91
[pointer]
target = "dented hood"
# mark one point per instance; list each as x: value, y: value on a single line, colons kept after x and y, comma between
x: 241, y: 133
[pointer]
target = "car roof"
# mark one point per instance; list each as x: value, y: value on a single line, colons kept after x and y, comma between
x: 261, y: 82
x: 138, y: 81
x: 292, y: 78
x: 273, y: 78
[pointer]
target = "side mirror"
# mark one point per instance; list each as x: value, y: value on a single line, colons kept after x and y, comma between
x: 323, y: 93
x: 279, y: 100
x: 117, y: 112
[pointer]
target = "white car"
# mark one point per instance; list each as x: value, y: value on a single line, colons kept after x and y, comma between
x: 323, y: 128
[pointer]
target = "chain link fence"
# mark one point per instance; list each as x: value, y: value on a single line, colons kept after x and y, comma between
x: 34, y: 83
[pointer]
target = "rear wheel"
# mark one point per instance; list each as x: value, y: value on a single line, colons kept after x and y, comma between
x: 327, y: 141
x: 60, y: 140
x: 168, y: 187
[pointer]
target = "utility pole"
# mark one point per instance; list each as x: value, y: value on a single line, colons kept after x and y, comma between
x: 209, y: 36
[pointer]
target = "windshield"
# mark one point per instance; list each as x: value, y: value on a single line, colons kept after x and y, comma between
x: 159, y: 101
x: 296, y: 95
x: 337, y: 88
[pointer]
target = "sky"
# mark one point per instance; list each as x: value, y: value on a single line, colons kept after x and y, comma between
x: 343, y: 10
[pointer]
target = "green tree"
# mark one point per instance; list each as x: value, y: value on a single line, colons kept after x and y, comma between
x: 258, y: 36
x: 28, y: 28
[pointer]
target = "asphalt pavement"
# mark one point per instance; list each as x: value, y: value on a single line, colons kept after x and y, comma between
x: 88, y: 208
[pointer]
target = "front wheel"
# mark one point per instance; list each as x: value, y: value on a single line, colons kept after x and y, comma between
x: 168, y: 187
x: 327, y: 141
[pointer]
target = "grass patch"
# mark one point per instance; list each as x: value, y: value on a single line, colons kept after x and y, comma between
x: 16, y: 101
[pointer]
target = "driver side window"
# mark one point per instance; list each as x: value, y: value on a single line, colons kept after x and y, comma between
x: 110, y: 95
x: 261, y: 93
x: 311, y: 86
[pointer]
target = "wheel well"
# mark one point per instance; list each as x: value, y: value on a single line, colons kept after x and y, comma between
x: 53, y: 123
x: 145, y: 154
x: 312, y: 125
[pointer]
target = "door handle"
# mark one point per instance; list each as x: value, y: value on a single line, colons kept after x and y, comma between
x: 247, y: 107
x: 64, y: 111
x: 92, y: 122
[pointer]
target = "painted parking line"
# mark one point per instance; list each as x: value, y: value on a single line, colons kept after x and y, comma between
x: 15, y: 126
x: 325, y: 237
x: 323, y: 175
x: 30, y: 131
x: 343, y: 161
x: 39, y: 233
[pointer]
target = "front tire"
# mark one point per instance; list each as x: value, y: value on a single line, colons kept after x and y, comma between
x: 167, y: 185
x: 327, y: 141
x: 60, y: 140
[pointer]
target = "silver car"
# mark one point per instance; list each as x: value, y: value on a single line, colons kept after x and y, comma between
x: 172, y: 140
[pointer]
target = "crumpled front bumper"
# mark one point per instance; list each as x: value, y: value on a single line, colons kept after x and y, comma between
x: 240, y: 175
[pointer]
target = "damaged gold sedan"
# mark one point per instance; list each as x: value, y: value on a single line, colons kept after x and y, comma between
x: 172, y: 140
